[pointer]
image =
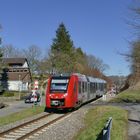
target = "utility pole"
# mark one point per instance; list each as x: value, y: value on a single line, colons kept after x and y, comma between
x: 19, y: 84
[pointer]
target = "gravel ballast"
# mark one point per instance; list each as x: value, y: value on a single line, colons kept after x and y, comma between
x: 66, y: 128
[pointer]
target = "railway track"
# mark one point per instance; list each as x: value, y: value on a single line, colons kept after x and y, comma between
x: 34, y: 128
x: 31, y: 129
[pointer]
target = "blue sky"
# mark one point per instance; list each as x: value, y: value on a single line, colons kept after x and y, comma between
x: 97, y: 26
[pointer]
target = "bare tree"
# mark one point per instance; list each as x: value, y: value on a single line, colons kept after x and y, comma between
x: 33, y: 55
x: 9, y: 52
x: 96, y: 63
x: 133, y: 56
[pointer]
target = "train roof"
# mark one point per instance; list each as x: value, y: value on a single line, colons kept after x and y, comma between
x: 95, y: 80
x: 82, y: 77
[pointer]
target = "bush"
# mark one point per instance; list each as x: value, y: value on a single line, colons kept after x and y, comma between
x: 128, y: 96
x: 8, y: 94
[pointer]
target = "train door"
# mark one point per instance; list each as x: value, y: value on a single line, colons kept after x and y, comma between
x: 88, y: 90
x: 80, y: 92
x: 75, y: 94
x: 83, y: 91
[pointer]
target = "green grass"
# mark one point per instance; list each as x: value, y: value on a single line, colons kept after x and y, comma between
x: 129, y: 96
x: 21, y: 115
x: 96, y: 119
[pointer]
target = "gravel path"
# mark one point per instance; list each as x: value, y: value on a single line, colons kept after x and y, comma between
x: 65, y: 129
x: 134, y: 122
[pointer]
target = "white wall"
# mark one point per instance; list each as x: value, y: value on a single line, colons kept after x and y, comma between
x: 25, y: 65
x: 17, y: 86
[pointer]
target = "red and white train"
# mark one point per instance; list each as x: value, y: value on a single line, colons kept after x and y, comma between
x: 67, y: 92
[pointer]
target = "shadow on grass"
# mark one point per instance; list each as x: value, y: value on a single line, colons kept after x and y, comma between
x: 131, y: 101
x: 100, y: 136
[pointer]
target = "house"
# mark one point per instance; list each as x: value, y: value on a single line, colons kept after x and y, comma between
x: 16, y: 74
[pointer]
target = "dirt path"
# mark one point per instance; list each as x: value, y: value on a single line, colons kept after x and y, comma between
x: 134, y: 122
x: 133, y: 119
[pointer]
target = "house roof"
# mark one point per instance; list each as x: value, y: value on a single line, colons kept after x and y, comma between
x: 13, y: 73
x: 14, y: 60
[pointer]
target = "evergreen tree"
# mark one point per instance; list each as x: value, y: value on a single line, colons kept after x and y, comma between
x: 62, y: 51
x: 62, y: 42
x: 81, y: 62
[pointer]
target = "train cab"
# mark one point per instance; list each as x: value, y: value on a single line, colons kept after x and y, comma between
x: 61, y: 92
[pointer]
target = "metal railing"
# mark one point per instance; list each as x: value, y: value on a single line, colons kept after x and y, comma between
x: 107, y: 130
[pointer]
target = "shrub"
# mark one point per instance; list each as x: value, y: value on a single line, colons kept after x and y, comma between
x: 8, y: 94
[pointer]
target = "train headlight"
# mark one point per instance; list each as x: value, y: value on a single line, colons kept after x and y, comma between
x: 65, y: 94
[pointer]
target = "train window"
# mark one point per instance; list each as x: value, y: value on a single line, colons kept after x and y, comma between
x: 83, y: 87
x: 97, y: 84
x: 102, y: 86
x: 79, y: 85
x: 59, y: 84
x: 105, y: 86
x: 94, y: 87
x: 91, y: 87
x: 88, y: 87
x: 99, y: 88
x: 75, y: 88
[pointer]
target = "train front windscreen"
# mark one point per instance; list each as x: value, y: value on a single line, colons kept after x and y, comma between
x: 59, y: 85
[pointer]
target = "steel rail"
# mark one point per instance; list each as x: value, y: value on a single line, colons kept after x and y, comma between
x: 42, y: 127
x: 24, y: 124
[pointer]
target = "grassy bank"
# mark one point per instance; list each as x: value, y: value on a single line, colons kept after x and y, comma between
x: 129, y: 96
x: 95, y: 120
x: 21, y: 115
